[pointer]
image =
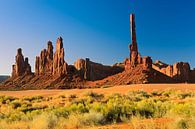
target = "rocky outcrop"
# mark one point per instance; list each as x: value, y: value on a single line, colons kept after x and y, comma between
x: 92, y: 71
x: 179, y: 71
x: 51, y: 64
x: 192, y: 76
x: 85, y: 68
x: 59, y: 65
x: 133, y: 46
x: 135, y: 58
x: 147, y: 62
x: 44, y: 62
x: 51, y: 70
x: 21, y: 67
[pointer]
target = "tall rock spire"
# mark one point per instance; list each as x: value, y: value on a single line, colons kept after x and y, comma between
x: 133, y: 33
x: 59, y: 64
x: 133, y: 46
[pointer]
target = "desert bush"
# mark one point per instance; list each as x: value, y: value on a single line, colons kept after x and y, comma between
x: 94, y: 95
x: 61, y: 112
x: 138, y: 95
x: 16, y: 116
x: 155, y: 93
x: 34, y: 98
x: 62, y: 96
x: 92, y: 118
x: 185, y: 95
x: 30, y: 109
x: 76, y: 120
x: 6, y: 99
x: 145, y: 108
x: 183, y: 109
x: 44, y: 121
x: 79, y: 108
x: 72, y: 96
x: 15, y: 104
x: 183, y: 124
x: 116, y: 108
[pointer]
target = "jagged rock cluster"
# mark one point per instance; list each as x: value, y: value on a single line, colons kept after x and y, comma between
x: 21, y: 67
x: 52, y: 68
x: 51, y: 64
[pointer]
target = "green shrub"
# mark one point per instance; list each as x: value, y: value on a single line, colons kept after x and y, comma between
x: 183, y: 124
x: 94, y: 95
x: 155, y: 93
x: 34, y: 98
x: 185, y: 109
x: 146, y: 108
x: 62, y: 96
x: 61, y: 112
x: 15, y: 104
x: 184, y: 95
x: 6, y: 99
x: 92, y: 118
x: 78, y: 108
x: 44, y: 121
x: 72, y: 96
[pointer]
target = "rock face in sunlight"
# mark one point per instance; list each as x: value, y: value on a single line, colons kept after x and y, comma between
x: 147, y: 62
x: 179, y: 71
x: 59, y: 65
x: 51, y: 64
x: 44, y: 62
x: 92, y: 71
x: 135, y: 58
x: 21, y: 67
x: 53, y: 72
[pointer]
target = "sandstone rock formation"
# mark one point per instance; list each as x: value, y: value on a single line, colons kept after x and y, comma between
x: 147, y: 62
x: 51, y: 64
x: 21, y: 67
x: 179, y: 71
x: 52, y: 72
x: 44, y: 62
x: 92, y: 71
x: 135, y: 57
x: 59, y: 65
x: 133, y: 47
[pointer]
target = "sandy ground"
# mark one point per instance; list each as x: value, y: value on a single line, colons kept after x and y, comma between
x: 116, y: 89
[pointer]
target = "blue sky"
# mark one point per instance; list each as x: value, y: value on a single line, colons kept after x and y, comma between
x: 98, y: 29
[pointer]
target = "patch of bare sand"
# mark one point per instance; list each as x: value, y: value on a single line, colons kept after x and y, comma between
x: 115, y: 89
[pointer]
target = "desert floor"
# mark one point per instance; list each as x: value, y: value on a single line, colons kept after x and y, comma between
x: 109, y: 90
x: 104, y: 90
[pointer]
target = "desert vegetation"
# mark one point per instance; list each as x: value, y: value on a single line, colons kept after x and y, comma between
x: 168, y: 109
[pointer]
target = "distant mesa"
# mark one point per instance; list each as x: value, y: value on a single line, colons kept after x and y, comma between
x: 53, y: 72
x: 3, y: 78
